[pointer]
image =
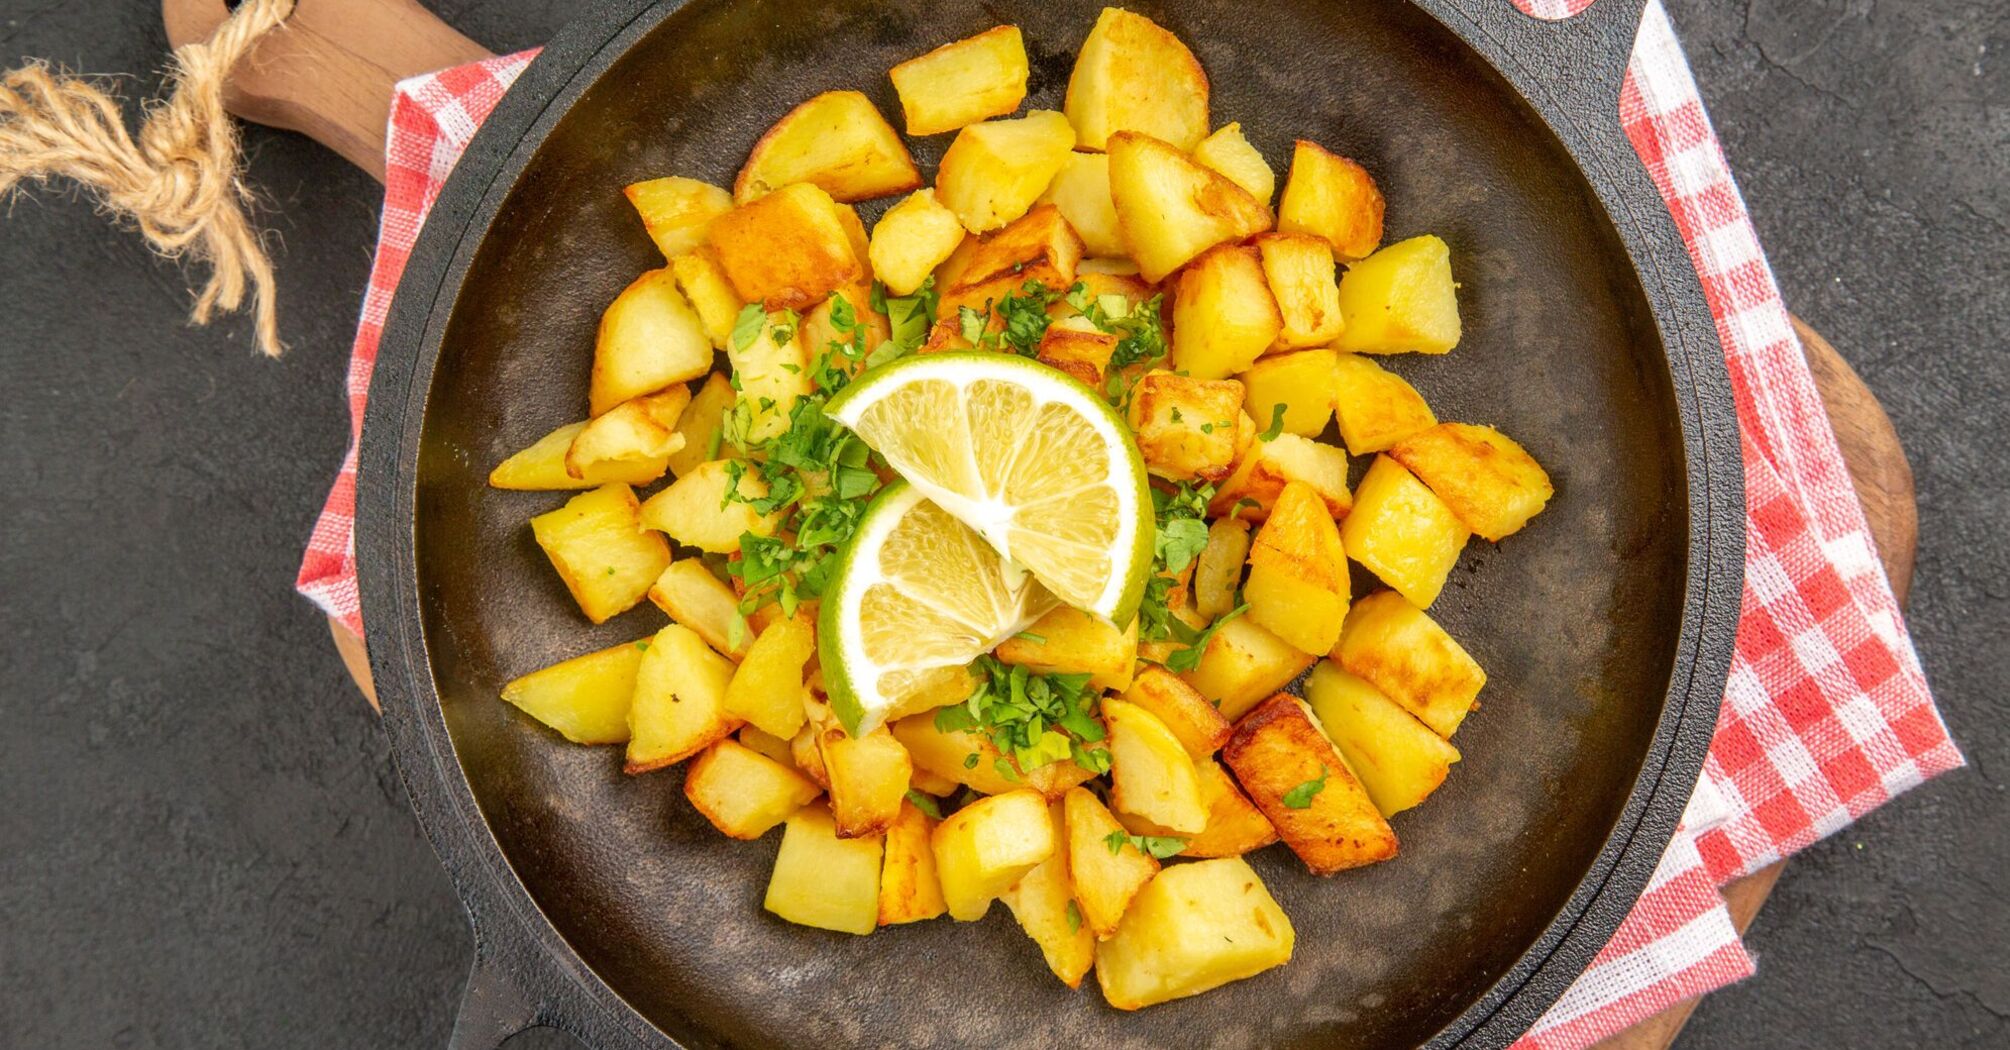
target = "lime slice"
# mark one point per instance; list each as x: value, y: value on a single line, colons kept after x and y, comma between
x: 917, y: 596
x: 1033, y: 460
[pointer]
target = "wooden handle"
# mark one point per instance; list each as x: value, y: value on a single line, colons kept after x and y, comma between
x: 329, y: 70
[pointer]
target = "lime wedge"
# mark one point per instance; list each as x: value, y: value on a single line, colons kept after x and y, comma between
x: 1034, y: 461
x: 916, y: 597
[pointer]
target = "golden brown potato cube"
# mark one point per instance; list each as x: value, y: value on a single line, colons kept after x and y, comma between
x: 689, y: 594
x: 806, y: 755
x: 677, y: 212
x: 1242, y: 664
x: 1076, y: 346
x: 1195, y: 928
x: 822, y: 880
x: 1151, y: 773
x: 1484, y: 476
x: 632, y: 435
x: 1403, y: 532
x: 985, y: 847
x: 694, y: 511
x: 1234, y: 825
x: 585, y: 698
x: 1043, y: 900
x: 1376, y: 408
x: 994, y: 171
x: 1333, y: 198
x: 1191, y: 718
x: 1081, y: 190
x: 1401, y: 299
x: 786, y: 250
x: 649, y: 339
x: 908, y: 888
x: 836, y: 141
x: 1398, y: 759
x: 772, y: 371
x: 820, y: 331
x: 743, y: 792
x: 600, y: 549
x: 705, y: 287
x: 1070, y: 641
x: 1170, y: 208
x: 1108, y: 868
x: 911, y: 240
x: 965, y: 757
x: 701, y: 425
x: 1186, y: 427
x: 1404, y: 653
x: 973, y: 79
x: 1297, y: 585
x: 1302, y: 278
x: 1134, y: 75
x: 1296, y: 777
x: 1217, y: 573
x: 541, y: 467
x: 869, y: 777
x: 1038, y: 246
x: 1223, y: 314
x: 680, y: 701
x: 1251, y: 489
x: 767, y: 689
x: 1228, y: 152
x: 950, y: 274
x: 772, y: 746
x: 1302, y: 382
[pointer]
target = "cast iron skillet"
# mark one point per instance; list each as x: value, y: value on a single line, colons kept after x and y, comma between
x: 602, y: 904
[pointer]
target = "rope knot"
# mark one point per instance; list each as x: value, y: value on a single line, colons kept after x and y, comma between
x: 179, y: 183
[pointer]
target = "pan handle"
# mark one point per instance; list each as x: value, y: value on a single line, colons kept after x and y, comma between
x: 1577, y: 61
x: 329, y: 71
x: 492, y: 1007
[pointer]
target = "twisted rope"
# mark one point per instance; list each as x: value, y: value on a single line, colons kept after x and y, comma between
x: 178, y: 183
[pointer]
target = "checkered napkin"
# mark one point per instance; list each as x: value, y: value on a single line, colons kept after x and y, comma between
x: 1826, y: 714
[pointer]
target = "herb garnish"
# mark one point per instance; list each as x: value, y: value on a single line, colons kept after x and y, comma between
x: 819, y: 476
x: 1276, y: 426
x: 1301, y: 796
x: 925, y: 803
x: 1158, y: 847
x: 1032, y: 719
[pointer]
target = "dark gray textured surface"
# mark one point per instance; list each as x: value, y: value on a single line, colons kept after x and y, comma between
x: 205, y: 843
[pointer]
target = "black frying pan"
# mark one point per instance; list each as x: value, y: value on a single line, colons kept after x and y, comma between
x: 602, y: 904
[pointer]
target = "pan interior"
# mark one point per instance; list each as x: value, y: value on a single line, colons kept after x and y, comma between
x: 1575, y: 619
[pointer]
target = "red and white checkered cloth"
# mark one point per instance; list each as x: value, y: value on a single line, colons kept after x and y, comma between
x: 1826, y: 714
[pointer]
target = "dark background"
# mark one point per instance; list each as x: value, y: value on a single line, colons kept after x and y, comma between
x: 202, y: 839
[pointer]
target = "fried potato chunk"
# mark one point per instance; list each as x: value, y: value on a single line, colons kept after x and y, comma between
x: 909, y: 890
x: 822, y: 880
x: 1297, y: 778
x: 1303, y: 382
x: 743, y: 792
x: 680, y: 701
x: 1226, y: 151
x: 1298, y: 585
x: 1043, y: 900
x: 1299, y: 269
x: 786, y: 250
x: 1081, y: 189
x: 1171, y: 208
x: 836, y: 141
x: 1375, y: 408
x: 1413, y: 661
x: 1401, y: 299
x: 649, y: 339
x: 1332, y: 198
x: 1195, y: 928
x: 1224, y: 316
x: 961, y: 83
x: 994, y: 171
x: 912, y: 239
x: 541, y: 467
x: 1134, y: 75
x: 1484, y: 476
x: 1398, y: 759
x: 1403, y: 532
x: 1187, y: 428
x: 677, y: 212
x: 1252, y: 488
x: 601, y: 550
x: 1242, y: 664
x: 985, y: 847
x: 585, y: 698
x: 1108, y: 868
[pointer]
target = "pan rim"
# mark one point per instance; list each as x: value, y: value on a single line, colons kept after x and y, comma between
x: 513, y: 931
